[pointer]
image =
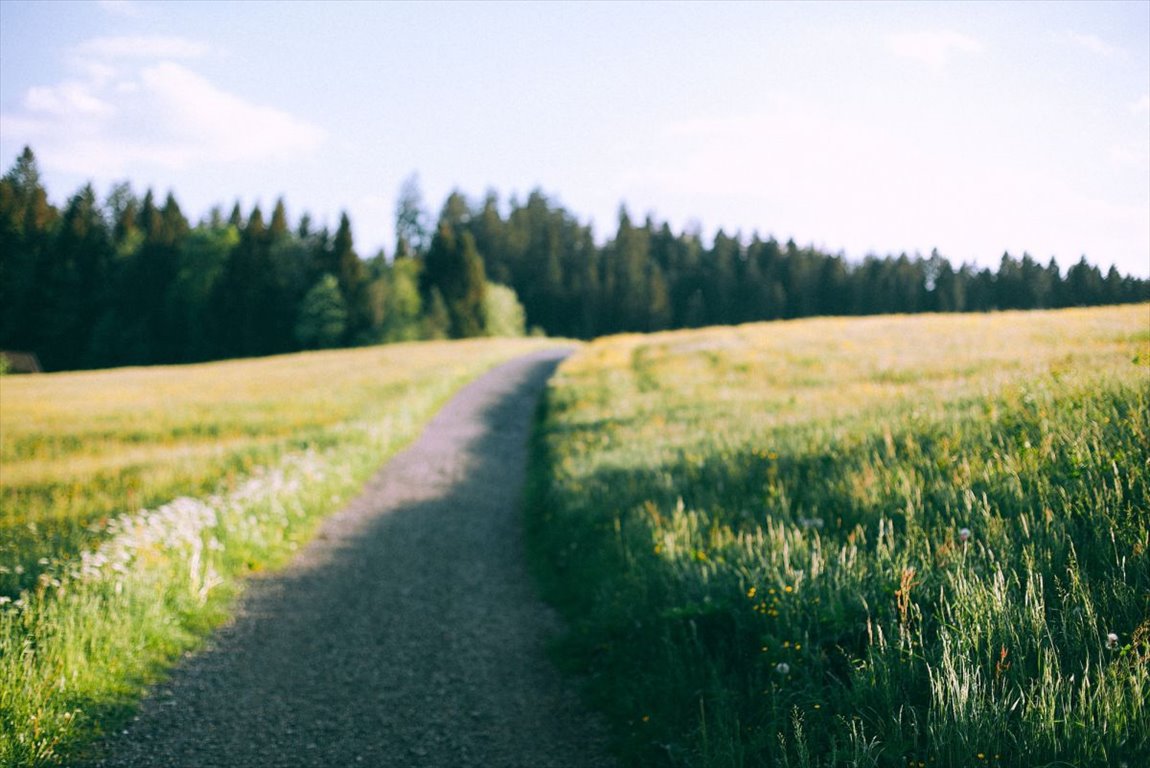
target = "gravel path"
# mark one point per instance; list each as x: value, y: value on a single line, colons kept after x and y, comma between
x: 407, y: 634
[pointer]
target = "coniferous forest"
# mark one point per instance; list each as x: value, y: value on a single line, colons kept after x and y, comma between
x: 128, y: 280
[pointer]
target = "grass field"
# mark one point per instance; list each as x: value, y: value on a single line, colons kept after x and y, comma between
x: 894, y: 541
x: 134, y: 500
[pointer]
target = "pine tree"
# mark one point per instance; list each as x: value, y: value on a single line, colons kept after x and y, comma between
x: 719, y: 279
x: 454, y: 269
x: 26, y: 222
x: 77, y: 282
x: 322, y: 321
x: 348, y: 267
x: 488, y: 230
x: 203, y: 258
x: 245, y: 297
x: 352, y: 280
x: 411, y: 230
x: 437, y: 321
x: 236, y: 218
x: 278, y: 228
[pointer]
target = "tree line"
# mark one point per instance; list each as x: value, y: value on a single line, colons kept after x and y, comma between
x: 129, y: 281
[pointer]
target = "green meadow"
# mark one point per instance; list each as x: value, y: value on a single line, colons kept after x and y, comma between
x: 887, y: 541
x: 135, y: 500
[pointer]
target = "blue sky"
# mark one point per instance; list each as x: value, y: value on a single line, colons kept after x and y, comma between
x: 974, y: 128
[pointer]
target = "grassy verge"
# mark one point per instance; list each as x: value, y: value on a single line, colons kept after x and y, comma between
x: 888, y: 541
x: 233, y: 465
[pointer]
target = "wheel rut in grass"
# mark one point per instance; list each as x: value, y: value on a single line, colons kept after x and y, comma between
x: 408, y: 633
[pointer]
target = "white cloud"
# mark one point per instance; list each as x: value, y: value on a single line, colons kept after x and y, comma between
x: 70, y: 98
x: 127, y: 8
x: 208, y: 123
x: 144, y: 47
x: 932, y: 47
x: 1092, y: 44
x: 1131, y: 155
x: 131, y: 107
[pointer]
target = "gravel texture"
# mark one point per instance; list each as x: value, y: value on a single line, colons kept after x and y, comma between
x: 408, y: 633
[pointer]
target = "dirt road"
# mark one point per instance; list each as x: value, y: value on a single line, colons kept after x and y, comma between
x: 406, y: 634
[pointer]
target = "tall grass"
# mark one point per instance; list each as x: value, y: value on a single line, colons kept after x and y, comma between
x: 890, y: 541
x: 135, y: 500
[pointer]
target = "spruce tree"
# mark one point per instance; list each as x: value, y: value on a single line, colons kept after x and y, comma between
x: 454, y: 269
x: 77, y: 283
x: 278, y: 227
x: 411, y: 230
x: 322, y: 320
x: 352, y: 279
x: 26, y: 222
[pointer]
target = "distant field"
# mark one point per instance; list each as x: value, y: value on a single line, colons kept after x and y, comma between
x: 96, y: 595
x: 897, y: 541
x: 80, y: 448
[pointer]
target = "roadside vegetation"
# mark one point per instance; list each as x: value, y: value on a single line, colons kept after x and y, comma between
x: 135, y: 500
x: 890, y: 541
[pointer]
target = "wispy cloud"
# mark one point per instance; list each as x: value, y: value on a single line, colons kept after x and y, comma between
x: 208, y: 123
x: 69, y: 98
x: 144, y: 47
x: 1092, y: 44
x: 933, y: 48
x: 127, y: 8
x: 132, y: 103
x: 1132, y: 155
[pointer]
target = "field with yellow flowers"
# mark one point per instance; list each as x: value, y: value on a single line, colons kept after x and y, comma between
x: 889, y: 541
x: 133, y: 501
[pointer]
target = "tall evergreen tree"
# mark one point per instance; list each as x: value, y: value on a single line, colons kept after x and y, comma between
x: 26, y: 223
x: 411, y: 229
x: 245, y: 295
x: 204, y: 255
x: 1084, y: 286
x: 132, y: 283
x: 454, y: 270
x: 352, y: 279
x: 322, y: 321
x: 77, y: 282
x: 278, y: 226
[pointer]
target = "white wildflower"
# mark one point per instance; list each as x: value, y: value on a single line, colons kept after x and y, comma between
x: 187, y: 528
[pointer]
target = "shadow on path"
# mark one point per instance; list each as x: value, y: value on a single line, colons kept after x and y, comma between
x: 407, y: 634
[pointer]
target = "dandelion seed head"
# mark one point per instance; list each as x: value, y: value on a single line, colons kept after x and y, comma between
x: 964, y: 534
x: 783, y: 668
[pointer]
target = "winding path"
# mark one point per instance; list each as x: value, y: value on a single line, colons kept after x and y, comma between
x: 406, y: 634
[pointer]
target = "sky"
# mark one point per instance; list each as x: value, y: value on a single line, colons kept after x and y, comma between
x: 973, y: 128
